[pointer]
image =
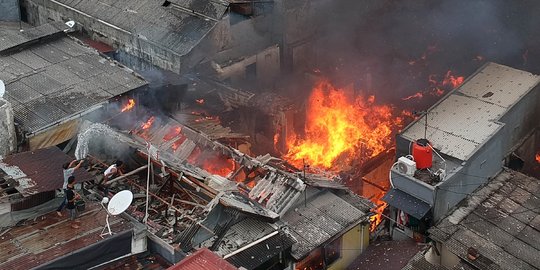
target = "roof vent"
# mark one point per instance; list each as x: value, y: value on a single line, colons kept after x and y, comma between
x: 488, y: 94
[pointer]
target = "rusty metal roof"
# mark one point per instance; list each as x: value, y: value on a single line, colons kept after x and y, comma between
x: 203, y: 259
x: 40, y: 170
x: 51, y: 237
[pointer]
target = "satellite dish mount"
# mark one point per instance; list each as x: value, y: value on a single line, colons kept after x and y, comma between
x: 117, y: 205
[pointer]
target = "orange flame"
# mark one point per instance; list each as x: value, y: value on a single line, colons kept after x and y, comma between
x: 276, y: 141
x: 177, y: 143
x: 172, y: 133
x: 451, y: 80
x: 377, y: 218
x: 416, y: 95
x: 537, y: 157
x: 200, y: 101
x: 437, y: 88
x: 129, y: 105
x: 337, y: 128
x: 148, y: 123
x: 212, y: 162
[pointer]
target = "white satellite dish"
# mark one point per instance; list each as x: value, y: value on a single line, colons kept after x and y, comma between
x: 117, y: 205
x: 2, y: 89
x: 120, y: 202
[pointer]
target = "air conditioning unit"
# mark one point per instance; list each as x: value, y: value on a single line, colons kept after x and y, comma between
x: 406, y: 166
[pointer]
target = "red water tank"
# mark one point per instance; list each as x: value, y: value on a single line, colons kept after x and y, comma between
x: 422, y: 153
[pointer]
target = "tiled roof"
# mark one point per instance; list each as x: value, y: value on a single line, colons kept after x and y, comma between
x: 501, y: 220
x: 54, y: 79
x: 39, y: 170
x: 203, y: 259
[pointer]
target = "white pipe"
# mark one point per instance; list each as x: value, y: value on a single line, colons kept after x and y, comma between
x: 148, y: 185
x: 390, y: 174
x: 250, y: 245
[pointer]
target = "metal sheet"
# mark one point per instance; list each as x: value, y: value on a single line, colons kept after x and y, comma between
x: 406, y: 203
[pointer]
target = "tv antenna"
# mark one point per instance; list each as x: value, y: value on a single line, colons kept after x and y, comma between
x: 425, y: 114
x: 117, y: 205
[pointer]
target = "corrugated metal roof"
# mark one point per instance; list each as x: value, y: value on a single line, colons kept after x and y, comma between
x: 56, y: 79
x: 50, y: 237
x: 500, y: 220
x: 178, y: 27
x: 203, y: 259
x: 13, y: 39
x: 468, y: 117
x: 242, y: 233
x: 320, y: 217
x: 40, y: 170
x: 277, y: 191
x: 261, y: 252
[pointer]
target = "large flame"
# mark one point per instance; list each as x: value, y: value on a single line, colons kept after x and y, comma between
x: 537, y: 157
x: 340, y: 129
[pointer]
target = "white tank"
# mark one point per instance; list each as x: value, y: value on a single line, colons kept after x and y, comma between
x: 7, y: 128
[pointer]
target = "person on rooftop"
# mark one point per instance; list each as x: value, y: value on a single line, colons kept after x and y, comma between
x: 111, y: 172
x: 69, y: 170
x: 72, y: 197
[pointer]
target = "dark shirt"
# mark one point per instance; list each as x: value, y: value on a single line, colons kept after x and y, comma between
x: 70, y: 195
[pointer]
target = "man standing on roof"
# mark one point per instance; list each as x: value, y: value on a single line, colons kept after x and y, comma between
x: 113, y: 171
x: 69, y: 170
x: 72, y: 197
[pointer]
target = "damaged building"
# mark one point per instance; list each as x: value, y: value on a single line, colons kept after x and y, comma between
x: 251, y: 213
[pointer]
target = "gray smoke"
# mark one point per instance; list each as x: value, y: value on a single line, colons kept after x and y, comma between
x: 382, y: 38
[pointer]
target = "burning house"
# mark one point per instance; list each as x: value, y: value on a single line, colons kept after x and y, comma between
x: 209, y: 194
x: 458, y: 144
x: 52, y: 80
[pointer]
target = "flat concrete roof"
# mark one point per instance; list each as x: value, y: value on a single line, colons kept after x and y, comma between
x: 468, y: 116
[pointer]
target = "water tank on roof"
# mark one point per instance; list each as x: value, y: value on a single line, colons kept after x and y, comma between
x: 422, y: 153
